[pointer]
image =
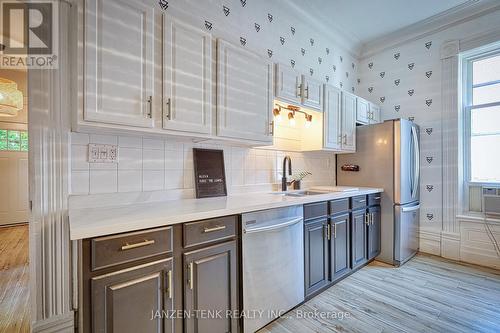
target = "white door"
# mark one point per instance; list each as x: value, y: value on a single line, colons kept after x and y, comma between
x: 119, y: 62
x: 375, y: 114
x: 332, y: 118
x: 363, y: 111
x: 288, y: 84
x: 348, y: 121
x: 244, y: 94
x: 312, y: 93
x: 187, y: 81
x: 13, y: 187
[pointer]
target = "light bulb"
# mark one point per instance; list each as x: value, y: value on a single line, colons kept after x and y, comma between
x: 277, y: 118
x: 307, y: 124
x: 291, y: 119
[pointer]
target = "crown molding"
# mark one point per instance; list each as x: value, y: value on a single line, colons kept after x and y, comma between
x: 456, y: 15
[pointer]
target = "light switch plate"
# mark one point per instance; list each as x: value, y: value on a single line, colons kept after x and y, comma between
x: 99, y: 153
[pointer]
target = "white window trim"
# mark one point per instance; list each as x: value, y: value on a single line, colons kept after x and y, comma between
x: 466, y: 60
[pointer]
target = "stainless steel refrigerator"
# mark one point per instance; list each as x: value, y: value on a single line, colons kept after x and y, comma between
x: 388, y: 156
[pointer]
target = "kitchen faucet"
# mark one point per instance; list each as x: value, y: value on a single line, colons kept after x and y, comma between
x: 283, y: 179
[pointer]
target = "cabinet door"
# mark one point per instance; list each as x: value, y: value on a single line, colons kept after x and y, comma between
x: 363, y: 111
x: 211, y: 284
x: 374, y: 232
x: 119, y: 62
x: 315, y: 254
x: 312, y: 93
x: 375, y: 114
x: 358, y: 238
x: 348, y: 112
x: 187, y: 61
x: 340, y: 246
x: 244, y: 94
x: 132, y: 300
x: 288, y: 84
x: 332, y: 119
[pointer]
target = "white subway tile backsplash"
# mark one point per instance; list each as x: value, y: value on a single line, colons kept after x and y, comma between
x: 79, y: 182
x: 104, y: 139
x: 153, y: 180
x: 129, y: 180
x: 130, y: 142
x: 153, y: 159
x: 79, y: 160
x: 146, y: 164
x: 103, y: 181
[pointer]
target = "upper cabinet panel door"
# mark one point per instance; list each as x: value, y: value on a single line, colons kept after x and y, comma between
x: 332, y: 118
x: 187, y: 61
x: 119, y: 62
x: 348, y: 121
x: 288, y: 84
x: 312, y: 93
x: 363, y: 111
x: 375, y: 114
x: 244, y: 94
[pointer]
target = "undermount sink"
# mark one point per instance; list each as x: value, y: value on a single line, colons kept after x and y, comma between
x: 301, y: 193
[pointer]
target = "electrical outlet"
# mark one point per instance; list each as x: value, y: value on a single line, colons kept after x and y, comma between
x: 99, y: 153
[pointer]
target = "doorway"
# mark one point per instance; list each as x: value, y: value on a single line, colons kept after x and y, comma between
x: 14, y: 202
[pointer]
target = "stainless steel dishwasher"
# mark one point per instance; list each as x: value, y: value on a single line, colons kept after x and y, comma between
x: 273, y: 264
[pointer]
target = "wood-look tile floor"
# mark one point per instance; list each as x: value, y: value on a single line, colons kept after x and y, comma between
x: 427, y: 294
x: 14, y: 280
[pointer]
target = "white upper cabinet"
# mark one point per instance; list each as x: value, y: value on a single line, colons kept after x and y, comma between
x: 288, y: 84
x: 312, y: 93
x: 119, y: 62
x: 348, y: 121
x: 244, y: 94
x: 332, y: 119
x: 375, y: 116
x: 187, y: 78
x: 363, y: 111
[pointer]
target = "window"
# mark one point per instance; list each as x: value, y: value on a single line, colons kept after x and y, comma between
x: 11, y: 140
x: 482, y: 111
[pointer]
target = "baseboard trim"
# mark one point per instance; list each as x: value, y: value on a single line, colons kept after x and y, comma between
x: 62, y: 323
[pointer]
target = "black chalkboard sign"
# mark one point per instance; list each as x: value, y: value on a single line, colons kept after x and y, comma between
x: 209, y: 173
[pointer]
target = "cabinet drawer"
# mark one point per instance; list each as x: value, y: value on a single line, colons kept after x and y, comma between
x: 118, y: 249
x: 358, y: 202
x: 374, y: 199
x: 315, y: 210
x: 206, y: 231
x: 339, y: 206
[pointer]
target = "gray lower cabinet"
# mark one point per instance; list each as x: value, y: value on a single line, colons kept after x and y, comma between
x: 374, y: 219
x: 358, y: 238
x: 133, y: 300
x: 315, y: 254
x: 340, y: 246
x: 210, y: 283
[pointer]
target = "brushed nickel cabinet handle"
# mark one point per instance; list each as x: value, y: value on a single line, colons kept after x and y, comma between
x: 339, y: 139
x: 128, y: 246
x: 334, y: 231
x: 298, y: 93
x: 377, y: 198
x: 345, y: 139
x: 307, y: 92
x: 191, y: 274
x: 371, y: 218
x: 271, y: 128
x: 150, y: 102
x: 362, y: 201
x: 328, y: 231
x: 216, y: 228
x: 169, y: 277
x: 367, y: 219
x: 167, y: 114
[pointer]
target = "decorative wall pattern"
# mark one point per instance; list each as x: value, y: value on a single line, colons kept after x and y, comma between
x: 272, y: 29
x: 406, y: 83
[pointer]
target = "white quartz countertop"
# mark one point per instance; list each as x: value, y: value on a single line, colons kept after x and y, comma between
x: 94, y: 222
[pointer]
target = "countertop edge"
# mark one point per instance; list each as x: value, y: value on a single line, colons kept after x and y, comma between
x: 78, y: 229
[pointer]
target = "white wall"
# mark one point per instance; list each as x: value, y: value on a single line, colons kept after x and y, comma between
x: 416, y: 66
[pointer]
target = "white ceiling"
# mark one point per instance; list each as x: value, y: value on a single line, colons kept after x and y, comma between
x: 367, y: 20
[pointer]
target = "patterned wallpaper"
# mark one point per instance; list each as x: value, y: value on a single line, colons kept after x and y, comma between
x: 273, y: 30
x: 406, y: 82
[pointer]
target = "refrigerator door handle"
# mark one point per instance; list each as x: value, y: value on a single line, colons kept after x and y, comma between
x: 410, y: 209
x: 416, y: 161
